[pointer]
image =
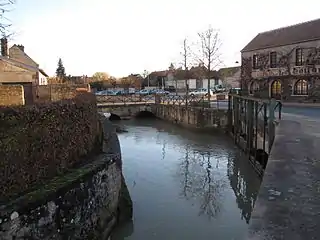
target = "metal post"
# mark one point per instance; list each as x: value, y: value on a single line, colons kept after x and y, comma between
x: 271, y: 129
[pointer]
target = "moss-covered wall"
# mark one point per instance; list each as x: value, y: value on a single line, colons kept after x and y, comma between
x: 40, y: 142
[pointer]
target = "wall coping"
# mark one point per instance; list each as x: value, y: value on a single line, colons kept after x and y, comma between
x: 56, y: 186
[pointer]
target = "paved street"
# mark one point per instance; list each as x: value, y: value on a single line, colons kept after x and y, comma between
x: 304, y: 111
x: 289, y: 193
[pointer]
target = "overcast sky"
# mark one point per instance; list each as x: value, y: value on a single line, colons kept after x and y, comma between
x: 125, y: 36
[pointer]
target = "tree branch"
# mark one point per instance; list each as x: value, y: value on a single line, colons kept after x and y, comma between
x: 4, y: 25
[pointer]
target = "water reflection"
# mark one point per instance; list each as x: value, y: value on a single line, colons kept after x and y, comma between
x: 125, y: 231
x: 244, y: 186
x: 185, y: 185
x: 200, y: 183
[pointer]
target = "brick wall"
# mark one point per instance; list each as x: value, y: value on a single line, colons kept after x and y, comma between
x: 11, y: 95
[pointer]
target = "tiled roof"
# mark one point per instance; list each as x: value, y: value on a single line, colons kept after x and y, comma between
x: 159, y: 74
x: 302, y: 32
x: 228, y: 72
x: 19, y: 64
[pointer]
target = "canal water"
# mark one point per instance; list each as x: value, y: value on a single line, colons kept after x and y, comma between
x: 185, y: 185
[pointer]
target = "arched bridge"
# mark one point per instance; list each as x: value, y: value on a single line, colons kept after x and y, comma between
x: 127, y: 111
x: 121, y: 107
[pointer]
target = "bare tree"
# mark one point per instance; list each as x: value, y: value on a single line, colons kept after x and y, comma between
x: 209, y: 55
x: 186, y: 55
x: 4, y: 22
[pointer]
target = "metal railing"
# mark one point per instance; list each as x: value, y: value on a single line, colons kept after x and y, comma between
x: 171, y: 99
x: 219, y: 101
x: 253, y: 121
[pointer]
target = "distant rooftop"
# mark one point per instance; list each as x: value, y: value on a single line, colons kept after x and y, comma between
x: 298, y: 33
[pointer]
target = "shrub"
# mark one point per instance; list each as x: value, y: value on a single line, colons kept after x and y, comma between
x: 41, y: 141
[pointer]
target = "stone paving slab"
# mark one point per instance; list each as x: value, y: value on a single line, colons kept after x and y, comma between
x: 288, y: 204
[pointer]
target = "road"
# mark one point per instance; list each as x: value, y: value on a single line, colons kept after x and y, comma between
x: 308, y: 111
x: 313, y: 112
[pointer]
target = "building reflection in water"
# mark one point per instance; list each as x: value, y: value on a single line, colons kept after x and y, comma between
x: 244, y: 184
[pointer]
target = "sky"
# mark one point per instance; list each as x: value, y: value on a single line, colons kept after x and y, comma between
x: 121, y: 37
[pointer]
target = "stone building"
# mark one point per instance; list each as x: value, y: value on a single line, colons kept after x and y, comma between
x: 284, y: 63
x: 16, y: 67
x: 195, y: 78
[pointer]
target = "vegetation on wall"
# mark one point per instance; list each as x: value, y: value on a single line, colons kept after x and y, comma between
x: 42, y: 141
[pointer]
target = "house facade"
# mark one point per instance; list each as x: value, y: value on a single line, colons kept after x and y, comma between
x: 230, y: 77
x: 196, y: 77
x: 283, y: 63
x: 16, y: 67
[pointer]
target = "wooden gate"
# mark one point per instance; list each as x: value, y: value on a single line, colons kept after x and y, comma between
x: 28, y: 93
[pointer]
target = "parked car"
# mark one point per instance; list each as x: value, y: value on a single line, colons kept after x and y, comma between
x: 108, y: 93
x: 160, y: 92
x: 235, y: 90
x: 103, y: 92
x: 201, y: 92
x: 145, y: 92
x: 128, y: 91
x: 219, y: 88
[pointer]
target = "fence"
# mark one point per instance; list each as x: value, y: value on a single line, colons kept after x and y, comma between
x: 253, y: 123
x: 218, y: 101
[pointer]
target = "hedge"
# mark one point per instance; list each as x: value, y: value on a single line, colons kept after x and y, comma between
x: 40, y: 142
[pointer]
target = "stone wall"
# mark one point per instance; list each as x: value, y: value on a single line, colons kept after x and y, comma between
x: 84, y: 203
x: 43, y: 141
x: 194, y: 117
x: 79, y: 205
x: 56, y: 92
x: 125, y: 98
x: 125, y: 111
x: 11, y: 95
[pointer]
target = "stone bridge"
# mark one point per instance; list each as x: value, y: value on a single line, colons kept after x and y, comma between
x: 125, y: 111
x: 192, y: 117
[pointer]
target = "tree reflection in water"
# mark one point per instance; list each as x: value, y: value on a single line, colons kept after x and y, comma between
x: 244, y: 184
x: 200, y: 183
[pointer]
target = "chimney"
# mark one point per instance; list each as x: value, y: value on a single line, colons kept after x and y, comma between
x: 4, y: 46
x: 21, y: 47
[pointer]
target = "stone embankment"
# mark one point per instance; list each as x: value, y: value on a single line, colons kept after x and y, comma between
x: 79, y: 191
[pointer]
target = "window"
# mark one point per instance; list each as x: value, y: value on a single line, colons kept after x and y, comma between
x: 300, y: 87
x: 273, y: 60
x: 276, y: 89
x: 255, y: 61
x: 254, y: 86
x: 299, y: 57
